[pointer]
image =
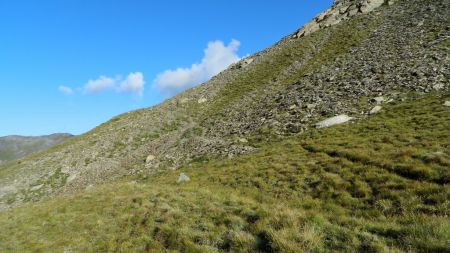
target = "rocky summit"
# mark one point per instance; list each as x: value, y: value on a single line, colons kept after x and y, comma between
x: 347, y: 114
x: 340, y: 11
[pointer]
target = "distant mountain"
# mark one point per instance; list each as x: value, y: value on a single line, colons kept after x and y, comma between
x: 15, y: 147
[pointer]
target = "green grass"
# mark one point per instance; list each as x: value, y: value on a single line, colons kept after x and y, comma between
x: 379, y: 184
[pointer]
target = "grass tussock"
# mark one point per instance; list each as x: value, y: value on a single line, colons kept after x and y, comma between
x: 377, y: 185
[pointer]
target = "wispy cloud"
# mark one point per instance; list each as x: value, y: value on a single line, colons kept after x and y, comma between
x: 217, y: 57
x: 66, y: 90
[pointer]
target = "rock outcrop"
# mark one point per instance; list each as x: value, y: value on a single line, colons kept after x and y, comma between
x: 340, y: 11
x: 242, y: 63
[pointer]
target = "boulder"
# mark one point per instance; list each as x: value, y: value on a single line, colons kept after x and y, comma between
x: 37, y: 187
x: 202, y: 100
x: 243, y: 140
x: 246, y: 62
x: 183, y: 178
x: 71, y: 178
x: 340, y: 119
x: 150, y: 158
x: 379, y: 100
x: 389, y: 2
x: 370, y: 5
x: 438, y: 86
x: 447, y: 103
x: 376, y: 109
x: 242, y: 63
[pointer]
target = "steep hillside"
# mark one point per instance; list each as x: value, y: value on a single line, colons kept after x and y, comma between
x: 337, y: 64
x: 15, y: 147
x: 379, y: 184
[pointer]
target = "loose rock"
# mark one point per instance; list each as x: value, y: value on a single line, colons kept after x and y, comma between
x: 243, y: 140
x: 439, y: 86
x: 376, y: 109
x: 183, y: 178
x: 340, y: 119
x: 379, y: 100
x: 202, y: 100
x: 71, y: 178
x: 150, y: 158
x: 37, y: 187
x: 371, y: 5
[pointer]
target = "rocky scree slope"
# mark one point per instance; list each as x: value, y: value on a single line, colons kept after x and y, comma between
x: 339, y: 66
x: 15, y: 147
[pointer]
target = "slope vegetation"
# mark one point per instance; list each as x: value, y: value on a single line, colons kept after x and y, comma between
x: 377, y: 184
x: 280, y: 92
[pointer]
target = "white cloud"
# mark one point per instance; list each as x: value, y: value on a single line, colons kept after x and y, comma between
x: 134, y: 84
x: 66, y: 90
x: 217, y: 58
x: 101, y: 84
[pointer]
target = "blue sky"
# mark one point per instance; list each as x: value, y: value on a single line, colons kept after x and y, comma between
x: 70, y: 65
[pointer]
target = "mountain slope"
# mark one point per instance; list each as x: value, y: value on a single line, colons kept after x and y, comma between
x: 379, y: 184
x: 354, y: 56
x: 15, y: 147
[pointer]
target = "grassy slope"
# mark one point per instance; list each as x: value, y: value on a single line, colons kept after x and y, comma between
x: 335, y: 43
x: 122, y: 144
x: 379, y: 184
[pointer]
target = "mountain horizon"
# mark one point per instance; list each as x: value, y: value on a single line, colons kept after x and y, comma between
x: 13, y: 147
